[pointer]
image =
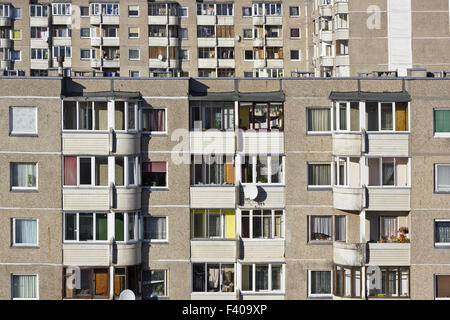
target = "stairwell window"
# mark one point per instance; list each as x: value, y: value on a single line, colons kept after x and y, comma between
x: 262, y: 224
x: 442, y: 178
x: 318, y: 120
x: 154, y: 283
x: 442, y: 286
x: 23, y: 121
x: 154, y: 121
x: 319, y: 176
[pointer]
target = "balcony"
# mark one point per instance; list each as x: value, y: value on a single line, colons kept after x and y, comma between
x: 349, y: 254
x: 5, y: 21
x: 269, y: 196
x: 348, y: 198
x: 62, y: 41
x: 101, y: 198
x: 325, y: 11
x: 96, y: 42
x: 259, y: 42
x: 259, y: 63
x: 326, y: 35
x: 96, y: 63
x: 327, y: 61
x: 100, y: 143
x: 111, y: 41
x: 207, y: 63
x: 341, y: 7
x: 342, y: 34
x: 6, y: 64
x: 259, y: 20
x: 156, y: 63
x: 348, y: 144
x: 96, y: 20
x: 389, y: 254
x: 225, y: 42
x: 275, y: 63
x: 225, y: 20
x: 163, y: 42
x: 213, y: 250
x: 342, y: 60
x: 207, y: 42
x: 275, y: 21
x: 65, y: 20
x: 262, y: 250
x: 254, y: 142
x: 392, y: 144
x: 67, y: 62
x: 389, y: 198
x: 38, y: 21
x: 93, y: 254
x: 111, y: 63
x: 5, y: 43
x: 39, y: 43
x: 274, y: 42
x: 157, y: 20
x: 212, y: 142
x: 206, y: 20
x: 37, y: 64
x: 226, y: 63
x: 211, y: 196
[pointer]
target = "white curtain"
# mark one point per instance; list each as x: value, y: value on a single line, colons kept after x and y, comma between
x: 339, y: 222
x: 443, y: 232
x: 158, y: 228
x: 24, y: 175
x: 213, y: 278
x: 214, y: 224
x: 319, y: 120
x: 389, y: 227
x: 320, y: 282
x: 388, y: 173
x: 443, y: 177
x: 322, y: 227
x: 26, y: 231
x: 24, y: 286
x: 319, y: 174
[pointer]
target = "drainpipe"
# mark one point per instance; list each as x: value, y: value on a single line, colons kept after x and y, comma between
x: 60, y: 66
x: 111, y: 268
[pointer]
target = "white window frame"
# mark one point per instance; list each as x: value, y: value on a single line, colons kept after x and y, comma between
x: 220, y: 278
x: 18, y: 133
x: 294, y: 16
x: 269, y: 170
x: 435, y: 285
x: 380, y: 163
x: 320, y: 295
x: 138, y: 11
x: 436, y: 189
x: 149, y: 240
x: 20, y: 55
x: 155, y: 133
x: 14, y: 12
x: 92, y: 54
x: 126, y: 235
x: 299, y: 55
x: 206, y: 212
x: 134, y: 59
x: 439, y: 134
x: 319, y: 187
x: 333, y: 229
x: 41, y: 6
x: 138, y: 73
x: 57, y: 9
x: 272, y: 224
x: 180, y: 9
x: 28, y: 245
x: 179, y: 34
x: 13, y: 188
x: 299, y: 34
x: 12, y: 33
x: 134, y: 37
x: 77, y: 227
x: 43, y: 54
x: 67, y: 49
x: 166, y: 282
x: 439, y: 244
x: 12, y: 275
x: 312, y: 133
x: 269, y: 285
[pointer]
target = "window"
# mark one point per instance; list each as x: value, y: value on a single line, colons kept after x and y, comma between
x: 84, y: 11
x: 262, y: 224
x: 225, y: 32
x: 183, y: 33
x: 206, y: 53
x: 246, y: 11
x: 39, y: 54
x: 267, y: 9
x: 134, y: 74
x: 154, y: 283
x: 38, y: 10
x: 212, y: 224
x: 225, y: 53
x: 24, y: 176
x: 389, y: 172
x: 62, y: 51
x: 4, y: 10
x: 39, y: 33
x: 322, y: 228
x: 224, y: 9
x: 248, y: 34
x: 341, y: 21
x: 295, y: 33
x: 213, y: 277
x: 24, y: 287
x: 441, y: 232
x: 157, y: 31
x: 394, y: 283
x: 319, y: 284
x: 265, y: 116
x: 262, y: 169
x: 441, y: 123
x: 442, y: 177
x: 442, y: 286
x: 205, y: 31
x: 346, y: 116
x: 387, y: 116
x: 16, y: 13
x: 61, y: 9
x: 81, y: 227
x: 94, y: 283
x: 184, y: 54
x: 341, y: 47
x: 319, y: 120
x: 347, y: 282
x: 16, y: 34
x: 294, y: 11
x: 183, y: 12
x: 155, y: 229
x: 133, y: 54
x: 87, y: 54
x: 319, y: 175
x: 212, y: 115
x: 262, y: 277
x: 85, y: 32
x: 295, y: 55
x: 106, y: 9
x: 133, y: 33
x: 212, y: 170
x: 61, y: 32
x: 206, y: 73
x: 133, y: 11
x: 154, y: 174
x: 23, y: 121
x: 25, y: 232
x: 15, y: 55
x: 154, y: 120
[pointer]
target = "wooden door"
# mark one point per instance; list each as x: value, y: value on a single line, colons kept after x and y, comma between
x: 101, y: 282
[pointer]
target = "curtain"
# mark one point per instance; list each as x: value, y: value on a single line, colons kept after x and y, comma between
x: 386, y: 116
x: 321, y: 228
x: 158, y: 228
x: 389, y: 227
x: 276, y: 277
x: 214, y: 223
x: 388, y: 172
x: 319, y: 174
x: 443, y: 232
x: 156, y: 119
x: 26, y: 231
x: 442, y: 120
x: 24, y: 175
x: 339, y: 222
x: 320, y: 282
x: 70, y: 171
x: 213, y: 278
x: 25, y: 286
x: 262, y: 277
x: 319, y: 120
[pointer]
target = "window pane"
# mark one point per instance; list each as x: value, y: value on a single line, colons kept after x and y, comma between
x: 374, y: 171
x: 101, y: 115
x: 131, y: 170
x: 354, y: 116
x: 227, y: 278
x: 321, y: 228
x: 247, y: 277
x: 443, y: 286
x: 213, y: 277
x: 101, y: 171
x: 443, y: 232
x: 276, y: 277
x: 86, y: 229
x: 157, y: 228
x: 245, y: 224
x: 131, y: 117
x: 131, y: 226
x: 70, y: 226
x: 386, y: 116
x: 319, y: 120
x: 26, y: 231
x: 199, y: 224
x: 85, y: 171
x: 262, y: 169
x: 388, y: 172
x: 401, y: 116
x: 24, y: 286
x: 372, y: 116
x: 442, y: 120
x: 23, y: 120
x: 319, y: 174
x: 101, y: 226
x: 85, y: 116
x: 260, y: 116
x: 119, y: 226
x: 198, y: 275
x: 342, y: 116
x: 443, y: 177
x: 24, y: 175
x: 70, y: 115
x: 262, y: 278
x: 339, y: 222
x: 320, y: 282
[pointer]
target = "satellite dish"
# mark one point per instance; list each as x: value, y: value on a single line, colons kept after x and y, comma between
x: 127, y: 295
x: 160, y: 57
x: 250, y: 191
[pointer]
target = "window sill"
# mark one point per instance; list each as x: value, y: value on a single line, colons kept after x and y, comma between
x: 155, y: 188
x: 318, y: 133
x: 24, y: 190
x: 320, y: 296
x: 155, y: 241
x: 319, y: 188
x: 442, y: 246
x: 320, y: 243
x: 18, y: 134
x: 156, y: 134
x: 26, y: 246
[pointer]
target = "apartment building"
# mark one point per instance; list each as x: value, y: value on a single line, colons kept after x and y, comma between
x: 356, y: 38
x: 196, y: 188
